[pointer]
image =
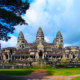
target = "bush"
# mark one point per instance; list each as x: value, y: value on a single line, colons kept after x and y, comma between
x: 41, y: 66
x: 64, y: 61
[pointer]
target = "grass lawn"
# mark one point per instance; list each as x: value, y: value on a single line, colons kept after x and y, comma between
x: 50, y: 71
x: 76, y: 78
x: 63, y: 71
x: 17, y: 72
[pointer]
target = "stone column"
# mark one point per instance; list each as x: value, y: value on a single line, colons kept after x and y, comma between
x: 72, y: 56
x: 20, y: 57
x: 4, y: 58
x: 8, y: 56
x: 43, y: 56
x: 37, y: 55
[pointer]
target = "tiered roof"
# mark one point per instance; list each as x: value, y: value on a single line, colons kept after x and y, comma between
x: 40, y: 34
x: 59, y: 34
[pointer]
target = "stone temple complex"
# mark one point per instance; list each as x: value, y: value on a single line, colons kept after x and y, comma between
x: 39, y: 49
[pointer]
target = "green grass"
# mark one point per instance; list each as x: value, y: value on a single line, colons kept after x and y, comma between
x: 63, y: 71
x: 16, y: 72
x: 50, y: 71
x: 76, y: 78
x: 22, y: 72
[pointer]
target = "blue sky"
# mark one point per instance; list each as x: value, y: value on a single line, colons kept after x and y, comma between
x: 51, y: 16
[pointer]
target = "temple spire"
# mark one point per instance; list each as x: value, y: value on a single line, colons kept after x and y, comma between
x: 59, y: 34
x: 39, y: 35
x: 21, y: 41
x: 39, y: 30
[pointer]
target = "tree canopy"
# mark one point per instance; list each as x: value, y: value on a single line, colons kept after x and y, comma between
x: 10, y: 16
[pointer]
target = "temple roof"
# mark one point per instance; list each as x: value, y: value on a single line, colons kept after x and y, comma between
x: 54, y: 41
x: 40, y: 33
x: 40, y: 30
x: 21, y: 35
x: 8, y: 48
x: 59, y: 34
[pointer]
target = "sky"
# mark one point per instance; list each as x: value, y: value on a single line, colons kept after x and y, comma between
x: 51, y: 16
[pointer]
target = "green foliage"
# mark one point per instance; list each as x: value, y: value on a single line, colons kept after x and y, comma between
x: 41, y: 66
x: 10, y: 16
x: 63, y: 60
x: 79, y: 59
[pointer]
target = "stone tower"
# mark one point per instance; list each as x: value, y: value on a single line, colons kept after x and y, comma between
x: 21, y: 42
x: 58, y: 41
x: 39, y: 35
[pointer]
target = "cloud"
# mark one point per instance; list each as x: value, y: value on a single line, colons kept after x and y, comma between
x: 11, y: 43
x: 67, y: 45
x: 32, y: 15
x: 46, y: 39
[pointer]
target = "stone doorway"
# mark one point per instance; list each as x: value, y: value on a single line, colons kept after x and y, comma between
x: 40, y: 55
x: 6, y: 56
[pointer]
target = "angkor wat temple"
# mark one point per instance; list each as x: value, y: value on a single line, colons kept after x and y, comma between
x: 39, y: 49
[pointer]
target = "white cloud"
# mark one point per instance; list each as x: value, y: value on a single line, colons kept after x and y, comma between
x: 10, y: 43
x: 67, y: 45
x: 32, y: 15
x: 46, y: 39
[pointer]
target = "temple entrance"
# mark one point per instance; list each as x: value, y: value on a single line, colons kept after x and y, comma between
x: 40, y: 54
x: 6, y: 56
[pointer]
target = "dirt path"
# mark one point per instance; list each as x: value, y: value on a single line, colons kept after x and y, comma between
x: 41, y: 75
x: 60, y: 77
x: 38, y: 75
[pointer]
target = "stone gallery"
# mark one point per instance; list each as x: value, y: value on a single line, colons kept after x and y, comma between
x: 39, y: 49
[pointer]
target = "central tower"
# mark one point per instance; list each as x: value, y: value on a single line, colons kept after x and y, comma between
x: 39, y: 35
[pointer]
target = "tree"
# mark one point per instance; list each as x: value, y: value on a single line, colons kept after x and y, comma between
x: 10, y: 16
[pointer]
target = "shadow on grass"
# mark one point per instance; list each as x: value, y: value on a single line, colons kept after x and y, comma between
x: 50, y: 73
x: 17, y: 73
x: 68, y: 73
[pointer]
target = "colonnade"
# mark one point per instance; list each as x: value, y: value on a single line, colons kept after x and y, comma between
x: 15, y: 57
